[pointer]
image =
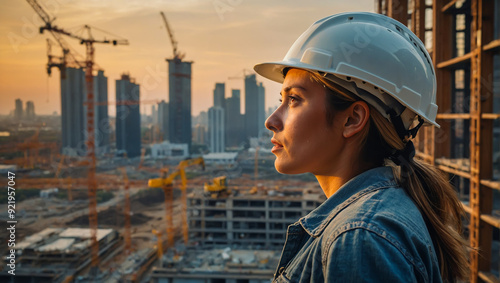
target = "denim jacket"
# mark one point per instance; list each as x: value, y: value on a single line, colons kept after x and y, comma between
x: 368, y: 231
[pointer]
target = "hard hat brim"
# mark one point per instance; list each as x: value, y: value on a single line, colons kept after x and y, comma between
x: 274, y: 71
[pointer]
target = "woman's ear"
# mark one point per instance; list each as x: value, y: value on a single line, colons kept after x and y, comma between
x: 356, y: 117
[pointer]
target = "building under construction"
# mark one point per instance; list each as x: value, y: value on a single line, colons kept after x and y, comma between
x: 255, y: 219
x: 58, y: 254
x: 463, y: 38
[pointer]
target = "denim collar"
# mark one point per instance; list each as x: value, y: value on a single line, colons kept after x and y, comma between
x: 317, y: 220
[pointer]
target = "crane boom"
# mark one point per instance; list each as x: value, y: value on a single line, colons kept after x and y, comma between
x: 69, y: 56
x: 171, y: 35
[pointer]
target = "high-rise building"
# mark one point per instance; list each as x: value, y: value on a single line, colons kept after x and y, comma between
x: 163, y: 119
x: 219, y: 95
x: 251, y: 107
x: 234, y: 120
x: 216, y: 122
x: 154, y: 115
x: 72, y: 112
x: 261, y: 108
x: 101, y: 126
x: 128, y: 117
x: 18, y: 111
x: 255, y: 110
x: 30, y: 110
x: 179, y: 88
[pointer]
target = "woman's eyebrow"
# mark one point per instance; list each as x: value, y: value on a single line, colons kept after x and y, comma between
x: 288, y: 88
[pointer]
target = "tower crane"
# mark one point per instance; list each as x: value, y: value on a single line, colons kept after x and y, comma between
x: 128, y: 238
x: 70, y: 57
x: 176, y: 53
x: 89, y: 42
x: 166, y: 184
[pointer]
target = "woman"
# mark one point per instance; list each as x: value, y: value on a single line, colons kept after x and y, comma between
x: 356, y: 89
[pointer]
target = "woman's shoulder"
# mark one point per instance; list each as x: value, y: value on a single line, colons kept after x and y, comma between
x: 389, y: 209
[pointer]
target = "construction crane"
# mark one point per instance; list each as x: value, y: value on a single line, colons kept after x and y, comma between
x: 69, y: 57
x: 89, y: 42
x: 166, y: 184
x: 128, y: 237
x: 159, y: 245
x: 176, y: 53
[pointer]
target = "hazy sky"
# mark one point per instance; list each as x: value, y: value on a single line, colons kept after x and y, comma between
x: 222, y: 37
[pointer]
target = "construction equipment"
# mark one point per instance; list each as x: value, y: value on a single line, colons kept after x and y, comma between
x: 176, y: 53
x: 89, y: 42
x: 218, y: 187
x: 166, y: 184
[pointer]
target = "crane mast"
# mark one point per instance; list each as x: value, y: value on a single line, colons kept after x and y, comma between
x: 90, y: 115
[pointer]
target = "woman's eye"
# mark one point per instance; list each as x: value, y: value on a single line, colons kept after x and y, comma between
x: 292, y: 100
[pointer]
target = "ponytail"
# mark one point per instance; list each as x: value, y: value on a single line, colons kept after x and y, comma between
x: 437, y: 201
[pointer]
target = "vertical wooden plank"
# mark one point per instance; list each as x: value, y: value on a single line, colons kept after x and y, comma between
x: 481, y: 197
x: 486, y: 130
x: 441, y: 51
x: 398, y: 10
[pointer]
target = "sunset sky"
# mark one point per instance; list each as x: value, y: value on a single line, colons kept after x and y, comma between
x: 222, y: 37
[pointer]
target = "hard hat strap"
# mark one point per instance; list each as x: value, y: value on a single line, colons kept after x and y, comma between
x: 402, y: 132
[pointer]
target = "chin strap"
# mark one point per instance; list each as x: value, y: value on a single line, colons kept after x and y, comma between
x: 400, y: 157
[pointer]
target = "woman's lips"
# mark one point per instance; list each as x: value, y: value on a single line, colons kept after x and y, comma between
x: 277, y: 146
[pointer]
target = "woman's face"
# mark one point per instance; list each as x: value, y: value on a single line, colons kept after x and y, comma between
x: 303, y: 140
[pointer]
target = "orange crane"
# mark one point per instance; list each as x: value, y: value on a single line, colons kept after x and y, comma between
x: 128, y: 237
x: 89, y: 42
x: 159, y: 245
x: 166, y: 184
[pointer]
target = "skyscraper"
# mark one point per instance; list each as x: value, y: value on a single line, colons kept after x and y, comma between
x: 128, y: 117
x: 163, y: 119
x: 234, y: 120
x: 261, y: 108
x: 154, y: 115
x: 219, y: 94
x: 18, y: 111
x: 101, y: 126
x: 30, y: 110
x: 179, y: 88
x: 251, y: 107
x: 72, y: 111
x: 216, y: 118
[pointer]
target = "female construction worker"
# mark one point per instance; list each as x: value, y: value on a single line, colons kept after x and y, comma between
x: 356, y: 89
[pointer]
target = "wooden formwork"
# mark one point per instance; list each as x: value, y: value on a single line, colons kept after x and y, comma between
x: 463, y: 46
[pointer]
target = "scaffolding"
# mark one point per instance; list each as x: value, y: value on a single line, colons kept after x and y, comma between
x: 463, y: 38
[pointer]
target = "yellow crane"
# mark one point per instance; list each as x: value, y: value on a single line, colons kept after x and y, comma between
x: 166, y: 184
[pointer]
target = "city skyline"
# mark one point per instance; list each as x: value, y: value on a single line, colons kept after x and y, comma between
x: 222, y: 38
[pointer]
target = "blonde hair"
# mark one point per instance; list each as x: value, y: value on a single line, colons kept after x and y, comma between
x: 427, y: 187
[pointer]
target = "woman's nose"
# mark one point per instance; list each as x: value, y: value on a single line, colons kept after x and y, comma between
x: 274, y: 122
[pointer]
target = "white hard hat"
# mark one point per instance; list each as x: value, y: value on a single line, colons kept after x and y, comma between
x: 371, y: 55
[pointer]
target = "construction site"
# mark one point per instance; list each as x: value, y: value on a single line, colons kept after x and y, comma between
x: 134, y: 205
